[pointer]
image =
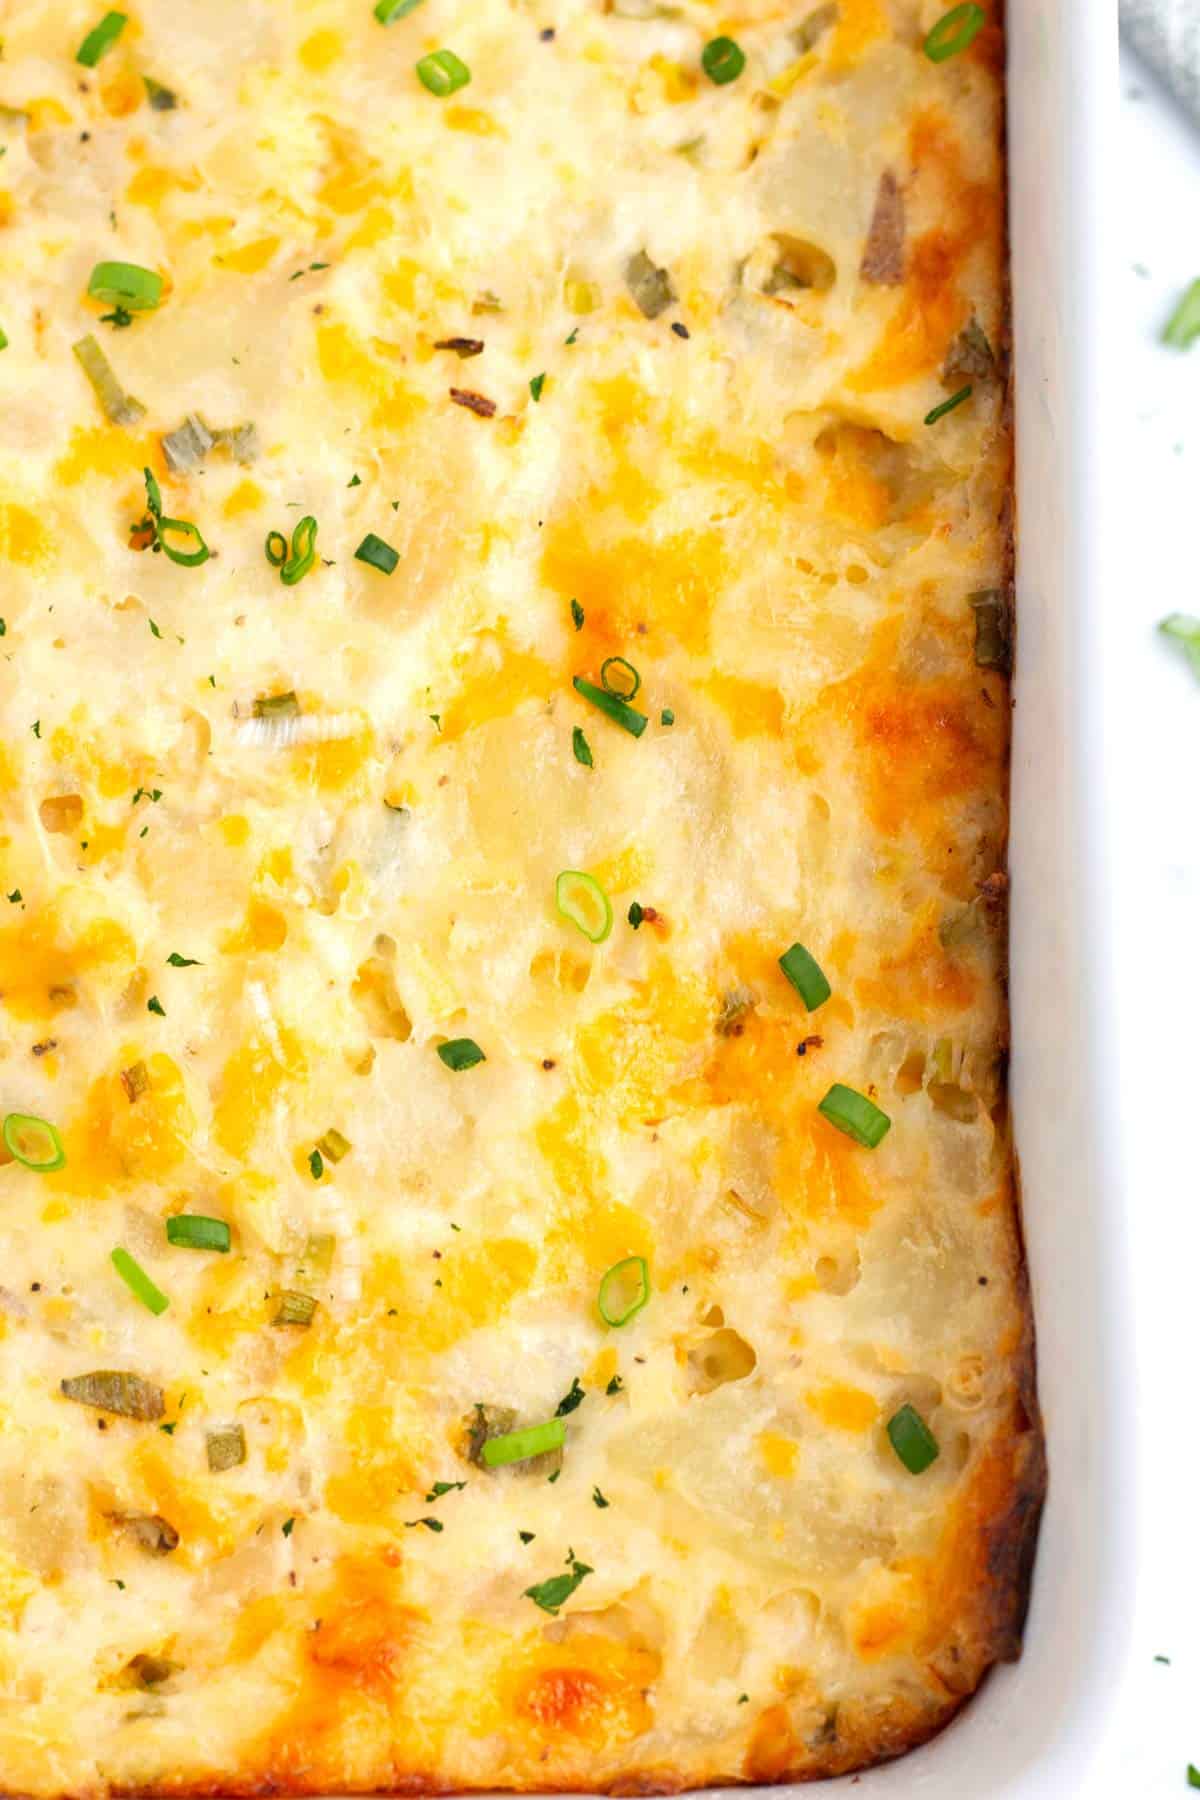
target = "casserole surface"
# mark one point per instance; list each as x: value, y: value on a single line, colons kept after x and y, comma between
x: 621, y: 362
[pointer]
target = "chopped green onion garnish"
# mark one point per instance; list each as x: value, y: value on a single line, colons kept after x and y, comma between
x: 381, y: 556
x: 192, y: 1231
x: 948, y: 406
x: 806, y: 976
x: 580, y: 899
x: 155, y: 522
x: 519, y: 1446
x: 333, y: 1146
x: 461, y: 1053
x: 571, y: 1400
x: 125, y: 284
x: 33, y: 1142
x: 666, y: 716
x: 624, y: 681
x: 388, y: 11
x: 294, y: 1309
x: 116, y: 1391
x: 636, y: 914
x: 1193, y: 1776
x: 101, y: 38
x: 442, y: 73
x: 954, y: 31
x: 119, y: 408
x: 226, y: 1448
x: 536, y: 384
x: 550, y: 1595
x: 722, y: 60
x: 316, y: 1164
x: 293, y: 565
x: 138, y: 1282
x: 162, y: 99
x: 912, y: 1440
x: 3, y: 338
x: 580, y: 748
x: 577, y: 615
x: 1186, y: 632
x: 854, y: 1114
x: 624, y: 1290
x: 1183, y: 327
x: 618, y: 710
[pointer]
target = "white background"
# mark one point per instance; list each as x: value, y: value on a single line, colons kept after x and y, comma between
x: 1152, y: 708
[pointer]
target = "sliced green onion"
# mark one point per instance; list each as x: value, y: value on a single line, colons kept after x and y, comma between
x: 187, y: 559
x: 625, y: 680
x: 612, y: 706
x: 193, y: 1231
x: 389, y: 11
x: 317, y: 1260
x: 295, y: 1309
x: 854, y: 1114
x: 381, y: 556
x: 948, y: 406
x: 116, y: 1391
x: 119, y: 408
x: 624, y: 1290
x: 1183, y: 327
x: 443, y: 73
x: 581, y: 749
x: 316, y: 1164
x: 519, y: 1446
x: 162, y: 99
x: 138, y: 1282
x: 125, y: 284
x: 1193, y: 1773
x: 277, y: 549
x: 277, y: 706
x: 3, y: 338
x: 912, y: 1440
x: 806, y: 976
x: 536, y: 384
x: 461, y: 1053
x: 333, y: 1146
x: 954, y: 31
x: 33, y: 1142
x: 225, y: 1448
x: 1186, y: 632
x: 581, y: 900
x: 722, y: 60
x: 100, y: 38
x: 303, y: 554
x: 636, y: 914
x: 577, y: 615
x: 666, y: 716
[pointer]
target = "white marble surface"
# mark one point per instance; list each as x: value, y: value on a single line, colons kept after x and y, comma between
x: 1153, y: 704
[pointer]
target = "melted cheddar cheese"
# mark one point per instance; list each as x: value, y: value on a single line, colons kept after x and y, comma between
x: 617, y: 361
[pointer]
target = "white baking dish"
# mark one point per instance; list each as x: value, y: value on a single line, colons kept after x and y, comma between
x: 1036, y: 1727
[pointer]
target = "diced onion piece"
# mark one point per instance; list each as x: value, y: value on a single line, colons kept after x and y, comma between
x: 225, y: 1448
x: 119, y: 407
x: 295, y: 1308
x: 116, y: 1391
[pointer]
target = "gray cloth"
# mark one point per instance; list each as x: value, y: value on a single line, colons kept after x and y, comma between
x: 1167, y: 34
